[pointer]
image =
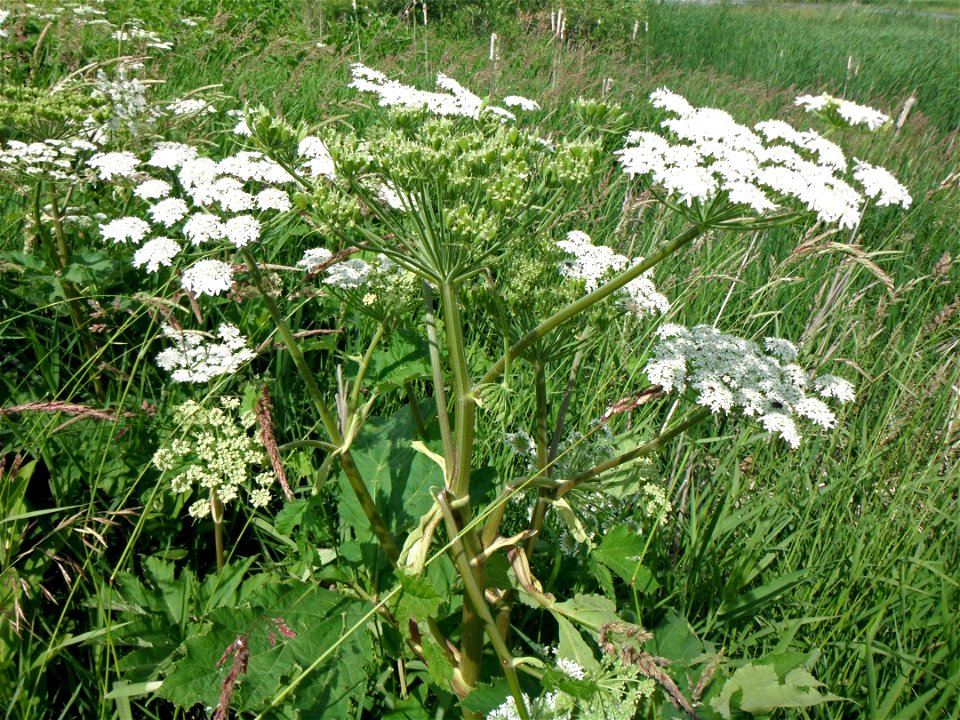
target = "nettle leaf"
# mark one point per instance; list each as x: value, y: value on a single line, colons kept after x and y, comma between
x: 590, y: 611
x: 757, y: 689
x: 418, y: 601
x: 398, y: 477
x: 287, y: 631
x: 573, y: 646
x: 620, y: 551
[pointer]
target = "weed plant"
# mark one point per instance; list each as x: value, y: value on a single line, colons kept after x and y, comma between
x: 838, y: 560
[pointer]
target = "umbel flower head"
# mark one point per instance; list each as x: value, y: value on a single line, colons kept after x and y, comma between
x: 713, y: 168
x: 729, y: 373
x: 592, y: 262
x: 216, y: 454
x: 194, y: 358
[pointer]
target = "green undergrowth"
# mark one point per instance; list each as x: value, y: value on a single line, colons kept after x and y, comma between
x: 846, y: 550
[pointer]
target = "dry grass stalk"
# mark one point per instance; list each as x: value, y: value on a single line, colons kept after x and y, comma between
x: 69, y: 408
x: 265, y: 421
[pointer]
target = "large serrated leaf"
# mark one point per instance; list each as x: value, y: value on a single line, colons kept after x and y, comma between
x: 758, y: 690
x: 289, y: 631
x: 620, y: 551
x: 398, y: 477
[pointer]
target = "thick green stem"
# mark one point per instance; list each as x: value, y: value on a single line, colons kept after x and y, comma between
x: 350, y: 470
x: 645, y: 449
x: 70, y: 291
x: 439, y: 393
x: 464, y: 403
x: 578, y: 306
x: 216, y: 513
x: 483, y: 619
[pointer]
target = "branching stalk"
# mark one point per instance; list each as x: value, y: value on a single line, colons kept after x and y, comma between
x: 350, y: 470
x: 578, y: 306
x: 645, y: 449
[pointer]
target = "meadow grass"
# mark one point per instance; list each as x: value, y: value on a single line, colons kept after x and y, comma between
x: 847, y: 548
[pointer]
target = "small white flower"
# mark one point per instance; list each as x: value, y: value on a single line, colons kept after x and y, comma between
x: 831, y: 386
x: 190, y: 106
x: 125, y: 229
x: 319, y: 162
x: 152, y: 190
x: 194, y: 358
x: 171, y: 155
x: 156, y: 252
x: 202, y: 227
x: 782, y: 424
x: 314, y: 258
x: 783, y: 349
x: 168, y: 212
x: 273, y: 199
x: 880, y: 184
x: 109, y: 165
x: 348, y: 274
x: 208, y: 277
x: 521, y: 102
x: 242, y: 230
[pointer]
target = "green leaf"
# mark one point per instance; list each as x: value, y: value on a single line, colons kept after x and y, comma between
x: 675, y: 640
x: 398, y: 477
x: 591, y: 611
x: 757, y: 689
x: 573, y: 646
x: 620, y: 551
x: 284, y: 634
x: 418, y: 601
x: 90, y: 266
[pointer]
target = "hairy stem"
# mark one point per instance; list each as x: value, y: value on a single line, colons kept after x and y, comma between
x: 350, y: 470
x: 480, y: 611
x: 464, y: 403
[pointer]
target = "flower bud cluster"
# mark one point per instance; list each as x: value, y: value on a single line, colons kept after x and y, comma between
x: 216, y: 454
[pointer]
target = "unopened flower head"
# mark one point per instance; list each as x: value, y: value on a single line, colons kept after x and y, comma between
x: 217, y: 452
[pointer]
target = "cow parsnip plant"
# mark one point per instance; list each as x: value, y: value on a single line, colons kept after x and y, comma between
x: 447, y: 239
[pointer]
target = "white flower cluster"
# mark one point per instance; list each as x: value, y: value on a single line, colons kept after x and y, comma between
x: 191, y: 106
x: 851, y: 113
x: 728, y: 372
x: 216, y: 453
x: 348, y: 274
x: 47, y: 160
x: 456, y: 101
x: 221, y: 200
x: 4, y: 14
x: 194, y: 358
x: 592, y: 263
x: 127, y: 96
x: 715, y: 157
